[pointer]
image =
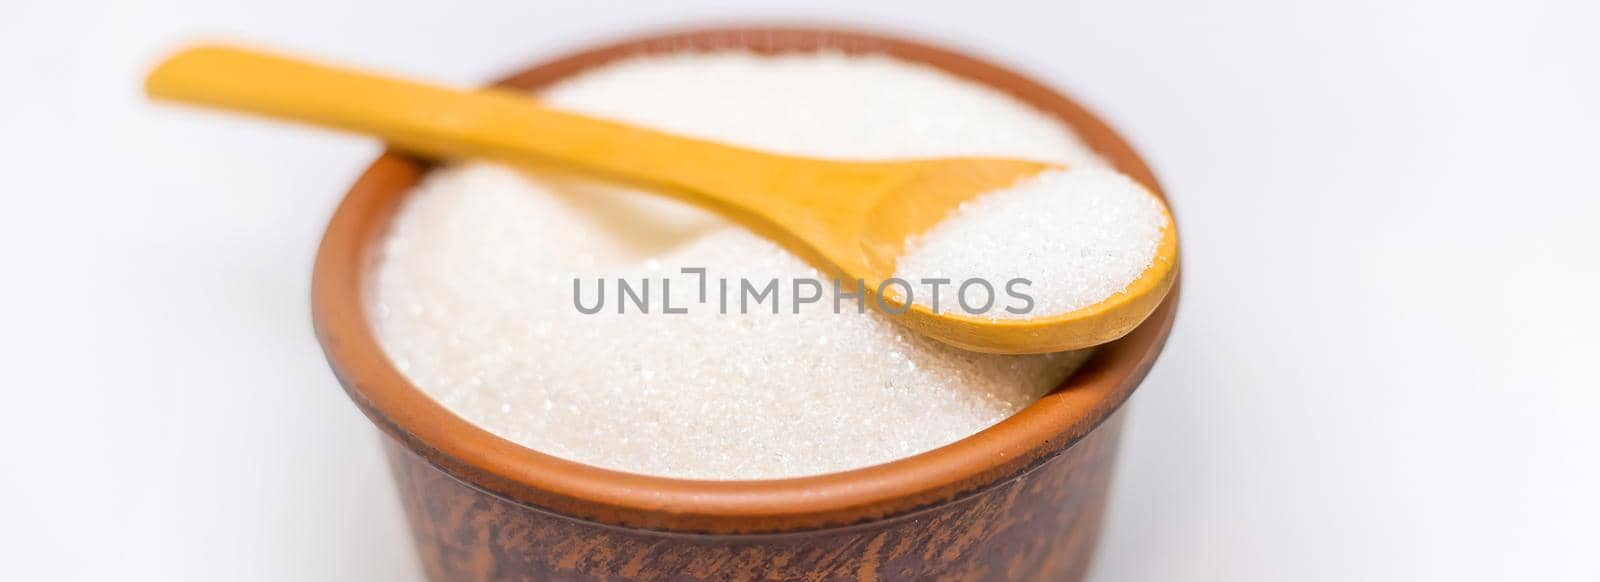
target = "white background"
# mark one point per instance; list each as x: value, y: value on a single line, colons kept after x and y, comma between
x: 1385, y: 367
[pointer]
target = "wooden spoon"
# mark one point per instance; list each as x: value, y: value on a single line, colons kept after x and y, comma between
x: 850, y: 217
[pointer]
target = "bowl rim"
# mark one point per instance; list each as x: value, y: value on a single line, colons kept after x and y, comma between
x: 487, y: 462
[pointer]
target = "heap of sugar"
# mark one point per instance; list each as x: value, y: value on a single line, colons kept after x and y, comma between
x: 1077, y: 236
x: 473, y: 298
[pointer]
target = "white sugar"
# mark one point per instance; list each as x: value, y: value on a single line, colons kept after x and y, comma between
x: 1076, y: 236
x: 473, y: 296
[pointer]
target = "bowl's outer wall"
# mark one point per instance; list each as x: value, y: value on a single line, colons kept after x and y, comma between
x: 1041, y: 525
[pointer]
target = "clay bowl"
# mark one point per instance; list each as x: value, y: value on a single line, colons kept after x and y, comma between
x: 1020, y: 500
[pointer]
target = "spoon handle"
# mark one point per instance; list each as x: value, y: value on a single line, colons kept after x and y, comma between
x: 446, y: 122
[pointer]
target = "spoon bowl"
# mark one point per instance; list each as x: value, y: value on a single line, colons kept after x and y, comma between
x: 860, y: 215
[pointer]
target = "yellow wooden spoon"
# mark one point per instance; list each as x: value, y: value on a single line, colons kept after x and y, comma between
x: 852, y: 218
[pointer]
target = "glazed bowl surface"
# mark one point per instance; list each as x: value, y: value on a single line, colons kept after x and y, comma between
x: 1050, y: 459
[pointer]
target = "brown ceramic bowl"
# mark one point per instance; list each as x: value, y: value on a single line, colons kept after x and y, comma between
x: 1020, y: 500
